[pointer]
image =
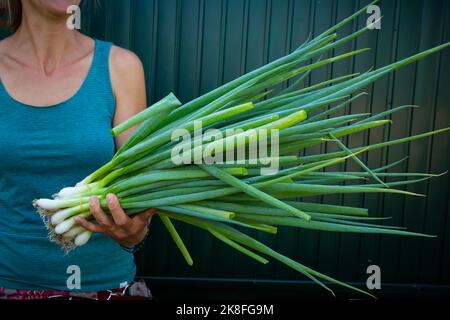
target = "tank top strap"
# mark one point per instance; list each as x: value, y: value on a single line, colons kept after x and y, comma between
x: 100, y: 64
x: 98, y: 81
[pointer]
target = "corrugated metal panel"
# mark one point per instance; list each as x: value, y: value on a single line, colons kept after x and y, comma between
x: 192, y: 46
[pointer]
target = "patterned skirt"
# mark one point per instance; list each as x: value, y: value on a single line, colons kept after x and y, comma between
x: 135, y: 291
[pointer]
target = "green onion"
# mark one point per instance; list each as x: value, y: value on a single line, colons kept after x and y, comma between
x: 219, y: 197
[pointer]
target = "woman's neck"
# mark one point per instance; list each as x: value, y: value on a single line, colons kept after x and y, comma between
x: 46, y: 41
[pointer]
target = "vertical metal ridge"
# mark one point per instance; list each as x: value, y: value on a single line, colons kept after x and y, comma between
x: 131, y: 37
x: 267, y: 31
x: 244, y: 39
x: 176, y: 51
x: 133, y: 9
x: 222, y: 41
x: 446, y: 216
x: 324, y: 147
x: 410, y: 129
x: 199, y: 57
x: 312, y: 30
x: 389, y: 94
x: 289, y: 33
x: 154, y: 48
x: 291, y: 7
x: 433, y: 126
x: 367, y: 135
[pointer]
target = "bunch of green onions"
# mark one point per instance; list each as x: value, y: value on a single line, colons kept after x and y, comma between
x: 218, y: 197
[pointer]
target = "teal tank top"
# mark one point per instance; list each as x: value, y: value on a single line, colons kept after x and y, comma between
x: 43, y: 149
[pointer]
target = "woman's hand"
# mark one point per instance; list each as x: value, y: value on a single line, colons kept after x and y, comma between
x: 125, y: 230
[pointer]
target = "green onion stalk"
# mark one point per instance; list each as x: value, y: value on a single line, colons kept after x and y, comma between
x: 219, y: 196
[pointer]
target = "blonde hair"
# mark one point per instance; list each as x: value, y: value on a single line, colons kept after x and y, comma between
x: 10, y: 14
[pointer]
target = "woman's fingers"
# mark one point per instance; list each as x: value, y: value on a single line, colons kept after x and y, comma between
x: 146, y: 216
x: 89, y: 225
x: 120, y: 218
x: 98, y: 213
x: 121, y: 228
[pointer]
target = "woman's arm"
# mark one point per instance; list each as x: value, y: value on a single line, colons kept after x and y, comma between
x: 128, y: 82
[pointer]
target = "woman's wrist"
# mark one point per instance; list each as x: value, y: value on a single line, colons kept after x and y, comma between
x: 136, y: 247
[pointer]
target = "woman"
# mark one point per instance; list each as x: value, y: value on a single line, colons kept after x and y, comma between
x: 60, y: 94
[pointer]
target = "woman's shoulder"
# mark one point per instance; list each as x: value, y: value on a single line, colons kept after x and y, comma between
x: 125, y: 67
x: 124, y: 61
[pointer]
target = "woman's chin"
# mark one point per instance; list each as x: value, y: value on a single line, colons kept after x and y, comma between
x: 58, y: 7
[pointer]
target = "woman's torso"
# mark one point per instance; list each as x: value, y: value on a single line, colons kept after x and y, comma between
x: 43, y: 149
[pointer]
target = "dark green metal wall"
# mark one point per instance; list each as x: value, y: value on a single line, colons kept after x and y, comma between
x: 192, y: 46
